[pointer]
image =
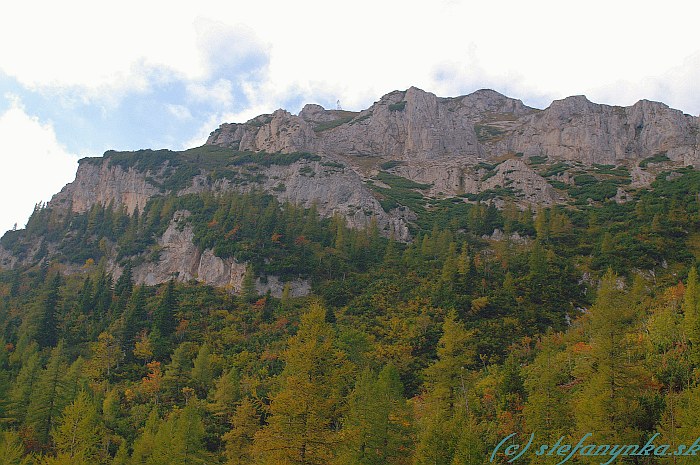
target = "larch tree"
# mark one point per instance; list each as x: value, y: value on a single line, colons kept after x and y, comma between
x: 613, y: 375
x: 78, y: 432
x: 245, y: 422
x: 49, y: 397
x: 202, y: 371
x: 304, y: 415
x: 377, y: 425
x: 443, y: 414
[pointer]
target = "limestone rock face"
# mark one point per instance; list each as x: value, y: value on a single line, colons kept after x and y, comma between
x: 487, y: 102
x: 417, y: 126
x: 7, y: 260
x: 100, y: 183
x: 331, y: 187
x: 578, y: 130
x: 401, y: 125
x: 181, y: 259
x: 515, y: 174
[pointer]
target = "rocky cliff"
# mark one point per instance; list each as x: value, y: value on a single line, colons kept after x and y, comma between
x: 103, y: 183
x: 576, y: 129
x: 416, y: 126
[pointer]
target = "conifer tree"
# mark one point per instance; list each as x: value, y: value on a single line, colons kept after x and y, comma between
x: 11, y: 449
x: 248, y: 289
x: 178, y: 371
x: 202, y: 371
x: 24, y: 385
x: 78, y: 432
x: 47, y: 332
x: 49, y: 398
x: 446, y: 379
x: 691, y: 315
x: 376, y: 427
x: 164, y: 319
x: 179, y: 439
x: 548, y: 407
x: 145, y: 443
x: 245, y: 422
x: 123, y: 289
x: 85, y: 297
x: 610, y: 395
x: 134, y: 319
x: 304, y: 414
x: 227, y: 393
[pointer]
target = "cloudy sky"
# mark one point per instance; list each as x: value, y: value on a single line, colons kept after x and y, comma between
x: 81, y: 77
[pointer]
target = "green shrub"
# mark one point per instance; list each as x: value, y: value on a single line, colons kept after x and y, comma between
x: 397, y: 106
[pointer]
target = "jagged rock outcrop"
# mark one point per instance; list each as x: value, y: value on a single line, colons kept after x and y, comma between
x: 402, y: 125
x: 7, y: 260
x: 98, y: 182
x: 578, y: 130
x: 453, y: 177
x: 418, y: 126
x: 514, y: 174
x: 333, y: 188
x: 179, y: 258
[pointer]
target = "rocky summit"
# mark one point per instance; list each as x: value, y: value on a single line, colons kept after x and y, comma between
x: 482, y: 145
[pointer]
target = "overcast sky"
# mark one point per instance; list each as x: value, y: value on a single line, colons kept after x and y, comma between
x: 81, y: 77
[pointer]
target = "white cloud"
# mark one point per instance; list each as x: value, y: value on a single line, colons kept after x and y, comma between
x: 356, y: 54
x: 218, y: 94
x: 101, y: 47
x: 180, y: 112
x: 34, y: 165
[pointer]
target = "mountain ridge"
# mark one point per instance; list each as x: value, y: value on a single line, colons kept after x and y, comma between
x: 387, y: 167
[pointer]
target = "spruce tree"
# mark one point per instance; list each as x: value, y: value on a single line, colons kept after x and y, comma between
x: 134, y: 320
x: 47, y: 333
x: 164, y: 319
